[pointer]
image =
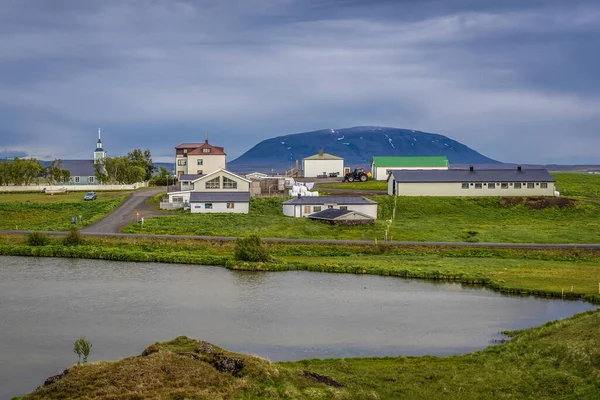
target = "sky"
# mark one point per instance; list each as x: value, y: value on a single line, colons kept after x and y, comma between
x: 515, y: 80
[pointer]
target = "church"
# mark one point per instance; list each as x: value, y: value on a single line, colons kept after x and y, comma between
x: 82, y: 171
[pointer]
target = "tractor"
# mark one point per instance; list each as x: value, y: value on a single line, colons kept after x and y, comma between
x: 358, y: 174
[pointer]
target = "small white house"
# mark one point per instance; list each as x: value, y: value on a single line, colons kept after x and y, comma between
x: 221, y: 191
x: 304, y: 206
x: 322, y: 164
x: 472, y: 182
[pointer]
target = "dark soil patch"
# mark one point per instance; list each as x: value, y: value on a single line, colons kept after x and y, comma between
x: 229, y: 365
x: 56, y: 378
x: 538, y: 203
x: 326, y: 380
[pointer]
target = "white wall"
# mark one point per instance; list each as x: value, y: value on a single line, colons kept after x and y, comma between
x: 239, y: 208
x: 312, y: 168
x: 184, y: 195
x: 242, y: 185
x: 72, y: 188
x: 295, y: 210
x: 381, y: 173
x: 210, y: 163
x: 455, y: 189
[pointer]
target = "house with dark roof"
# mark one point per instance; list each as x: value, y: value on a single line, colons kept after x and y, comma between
x: 472, y: 182
x: 335, y: 216
x: 382, y: 165
x: 220, y: 191
x: 82, y: 171
x: 199, y: 158
x: 305, y: 206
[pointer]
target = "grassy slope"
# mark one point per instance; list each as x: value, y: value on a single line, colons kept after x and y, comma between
x: 559, y: 360
x: 369, y: 185
x: 509, y: 270
x: 39, y: 211
x: 578, y: 184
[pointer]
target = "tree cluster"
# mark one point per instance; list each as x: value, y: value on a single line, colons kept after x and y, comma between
x: 135, y: 167
x: 19, y: 171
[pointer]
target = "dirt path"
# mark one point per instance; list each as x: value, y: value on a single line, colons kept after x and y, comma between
x: 125, y: 214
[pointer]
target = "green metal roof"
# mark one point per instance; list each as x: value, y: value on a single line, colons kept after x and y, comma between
x: 391, y: 161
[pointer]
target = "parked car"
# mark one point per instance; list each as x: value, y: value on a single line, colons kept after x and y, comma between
x: 90, y: 196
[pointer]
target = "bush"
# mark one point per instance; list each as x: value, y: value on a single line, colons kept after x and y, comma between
x: 251, y: 248
x: 37, y: 239
x: 73, y: 238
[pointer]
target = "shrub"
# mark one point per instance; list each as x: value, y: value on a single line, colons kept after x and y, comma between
x: 82, y: 347
x: 37, y: 239
x: 73, y: 238
x: 251, y: 248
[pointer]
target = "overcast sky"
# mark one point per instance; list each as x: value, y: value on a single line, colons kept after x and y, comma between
x: 516, y: 80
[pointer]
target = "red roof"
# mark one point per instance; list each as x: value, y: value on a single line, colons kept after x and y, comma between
x: 198, y: 149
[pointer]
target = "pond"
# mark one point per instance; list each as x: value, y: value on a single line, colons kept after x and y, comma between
x: 47, y: 303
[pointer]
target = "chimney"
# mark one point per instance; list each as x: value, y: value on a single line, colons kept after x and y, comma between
x: 519, y: 168
x: 321, y: 152
x: 471, y: 168
x: 299, y: 195
x: 206, y: 141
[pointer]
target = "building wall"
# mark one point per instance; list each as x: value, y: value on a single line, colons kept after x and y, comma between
x: 455, y: 189
x: 295, y: 210
x: 381, y: 173
x: 83, y: 180
x: 313, y: 168
x: 185, y: 197
x: 242, y: 185
x: 210, y: 163
x: 239, y: 208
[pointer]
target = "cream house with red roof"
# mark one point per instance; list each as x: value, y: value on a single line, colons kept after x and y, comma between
x: 199, y: 158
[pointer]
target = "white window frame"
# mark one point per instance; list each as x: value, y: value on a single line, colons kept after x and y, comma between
x: 206, y: 150
x: 199, y: 162
x: 530, y: 185
x: 464, y: 185
x: 208, y: 206
x: 214, y: 183
x: 230, y: 206
x: 182, y: 162
x: 91, y: 179
x: 229, y: 183
x: 544, y: 185
x: 76, y: 179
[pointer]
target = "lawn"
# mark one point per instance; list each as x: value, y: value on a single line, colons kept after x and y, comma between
x: 39, y: 211
x: 368, y: 185
x: 578, y: 184
x: 447, y: 219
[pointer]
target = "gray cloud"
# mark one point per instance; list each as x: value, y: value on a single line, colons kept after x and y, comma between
x: 516, y: 83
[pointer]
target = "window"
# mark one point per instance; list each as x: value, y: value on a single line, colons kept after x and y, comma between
x: 214, y: 183
x: 316, y: 208
x: 465, y: 185
x: 230, y: 206
x: 184, y: 151
x: 478, y: 186
x: 199, y: 172
x: 329, y: 207
x: 343, y: 207
x: 504, y: 186
x: 307, y: 210
x: 177, y: 199
x: 76, y: 179
x: 200, y: 161
x: 517, y: 186
x: 206, y: 150
x: 491, y: 186
x: 530, y: 186
x: 229, y: 183
x: 182, y: 163
x: 208, y: 206
x: 90, y: 179
x: 544, y: 186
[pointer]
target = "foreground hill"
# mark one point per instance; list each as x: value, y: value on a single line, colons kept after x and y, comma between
x: 559, y: 360
x: 356, y: 145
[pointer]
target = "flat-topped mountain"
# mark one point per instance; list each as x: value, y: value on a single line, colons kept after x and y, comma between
x: 356, y: 145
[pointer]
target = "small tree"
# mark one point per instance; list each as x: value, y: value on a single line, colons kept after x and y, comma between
x: 37, y: 239
x: 251, y: 248
x: 73, y: 238
x: 82, y: 347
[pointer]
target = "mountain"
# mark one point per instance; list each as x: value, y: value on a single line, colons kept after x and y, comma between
x: 356, y: 145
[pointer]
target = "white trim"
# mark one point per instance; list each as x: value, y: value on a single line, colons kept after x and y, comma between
x: 221, y: 170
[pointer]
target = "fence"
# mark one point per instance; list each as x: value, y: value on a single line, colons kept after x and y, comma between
x: 71, y: 188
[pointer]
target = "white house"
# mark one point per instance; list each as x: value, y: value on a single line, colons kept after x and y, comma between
x: 199, y: 158
x: 220, y: 191
x: 472, y: 182
x: 382, y: 165
x: 304, y: 206
x: 322, y: 164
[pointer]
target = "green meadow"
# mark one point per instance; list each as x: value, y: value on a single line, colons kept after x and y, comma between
x: 40, y: 211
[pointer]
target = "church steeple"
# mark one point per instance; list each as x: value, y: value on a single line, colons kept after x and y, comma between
x: 99, y: 154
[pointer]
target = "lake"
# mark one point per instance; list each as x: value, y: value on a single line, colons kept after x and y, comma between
x: 47, y: 303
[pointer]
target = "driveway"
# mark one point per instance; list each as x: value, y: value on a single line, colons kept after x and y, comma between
x: 125, y: 214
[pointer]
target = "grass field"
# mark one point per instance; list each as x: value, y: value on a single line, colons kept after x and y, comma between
x: 558, y: 360
x: 578, y: 184
x: 451, y: 219
x: 39, y: 211
x: 369, y: 185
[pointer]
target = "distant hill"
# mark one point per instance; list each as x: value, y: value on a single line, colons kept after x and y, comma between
x: 356, y: 145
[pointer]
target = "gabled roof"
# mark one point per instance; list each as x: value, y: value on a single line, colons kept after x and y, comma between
x: 197, y: 148
x: 220, y: 170
x: 220, y: 197
x: 410, y: 162
x: 466, y: 175
x: 79, y: 167
x: 189, y: 177
x: 323, y: 156
x: 320, y: 200
x: 331, y: 214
